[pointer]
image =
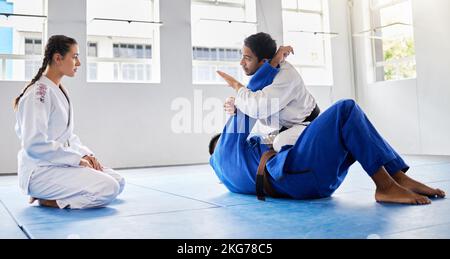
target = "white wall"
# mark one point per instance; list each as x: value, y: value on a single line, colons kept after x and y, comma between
x: 129, y: 125
x: 431, y: 29
x: 411, y: 114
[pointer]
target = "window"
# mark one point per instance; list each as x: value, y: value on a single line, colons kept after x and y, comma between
x: 21, y: 44
x: 32, y: 47
x: 92, y: 66
x: 219, y: 28
x: 305, y: 27
x: 126, y: 41
x: 92, y: 49
x: 224, y: 59
x: 133, y: 71
x: 393, y: 40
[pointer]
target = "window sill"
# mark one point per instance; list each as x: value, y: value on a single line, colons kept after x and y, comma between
x: 393, y: 82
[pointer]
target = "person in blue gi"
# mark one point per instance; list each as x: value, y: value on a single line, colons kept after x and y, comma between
x: 316, y: 165
x: 284, y: 103
x: 54, y: 167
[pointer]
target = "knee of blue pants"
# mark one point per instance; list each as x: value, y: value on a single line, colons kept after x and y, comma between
x: 346, y: 104
x: 343, y: 108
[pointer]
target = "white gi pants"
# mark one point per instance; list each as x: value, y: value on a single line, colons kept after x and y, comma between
x: 287, y: 137
x: 76, y: 187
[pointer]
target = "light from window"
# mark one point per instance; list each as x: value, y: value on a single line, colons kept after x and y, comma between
x: 218, y: 32
x: 304, y: 22
x: 32, y: 47
x: 132, y: 71
x: 21, y: 39
x: 92, y: 66
x: 124, y: 51
x: 393, y: 40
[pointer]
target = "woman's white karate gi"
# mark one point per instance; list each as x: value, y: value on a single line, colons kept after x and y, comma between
x: 49, y: 160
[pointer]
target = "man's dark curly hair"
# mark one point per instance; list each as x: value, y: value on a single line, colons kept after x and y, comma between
x: 262, y: 45
x: 212, y: 143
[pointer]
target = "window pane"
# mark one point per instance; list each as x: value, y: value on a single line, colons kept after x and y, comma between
x: 376, y: 3
x: 92, y: 71
x: 116, y: 50
x: 394, y: 49
x: 213, y: 54
x: 31, y: 68
x: 148, y: 51
x: 140, y: 72
x: 29, y: 48
x: 313, y: 5
x: 216, y: 42
x: 309, y: 48
x: 148, y: 71
x: 21, y: 36
x: 397, y: 71
x: 140, y: 51
x: 304, y: 31
x: 289, y: 4
x: 397, y: 13
x: 131, y: 53
x: 119, y: 42
x: 92, y: 49
x: 37, y: 47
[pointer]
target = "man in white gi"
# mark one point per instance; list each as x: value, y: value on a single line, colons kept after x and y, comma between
x: 284, y: 102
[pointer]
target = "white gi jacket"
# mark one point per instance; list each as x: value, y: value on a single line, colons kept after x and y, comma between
x: 45, y: 128
x: 288, y: 88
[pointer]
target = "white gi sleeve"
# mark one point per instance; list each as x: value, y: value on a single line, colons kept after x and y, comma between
x: 76, y: 144
x: 268, y: 101
x: 35, y: 115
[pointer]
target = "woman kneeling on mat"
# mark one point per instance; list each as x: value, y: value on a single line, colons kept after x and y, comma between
x: 54, y: 167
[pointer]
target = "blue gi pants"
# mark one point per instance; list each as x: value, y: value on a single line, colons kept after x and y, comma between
x: 318, y: 163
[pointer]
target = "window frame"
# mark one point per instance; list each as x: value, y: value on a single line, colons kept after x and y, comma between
x: 299, y: 10
x: 377, y: 44
x: 122, y: 57
x: 214, y: 57
x: 320, y: 72
x: 21, y: 36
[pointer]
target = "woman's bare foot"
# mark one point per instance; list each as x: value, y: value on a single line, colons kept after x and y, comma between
x: 417, y: 187
x: 45, y: 203
x: 394, y: 193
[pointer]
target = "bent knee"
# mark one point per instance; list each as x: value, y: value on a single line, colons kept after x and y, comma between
x: 102, y: 193
x: 121, y: 182
x: 108, y: 190
x: 348, y: 103
x: 346, y: 106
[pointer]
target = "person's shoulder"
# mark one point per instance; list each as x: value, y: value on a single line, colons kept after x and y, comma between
x: 288, y: 72
x: 40, y: 92
x: 288, y: 68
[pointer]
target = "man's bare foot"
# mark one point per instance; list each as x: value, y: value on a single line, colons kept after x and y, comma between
x: 394, y: 193
x: 45, y: 203
x: 417, y: 187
